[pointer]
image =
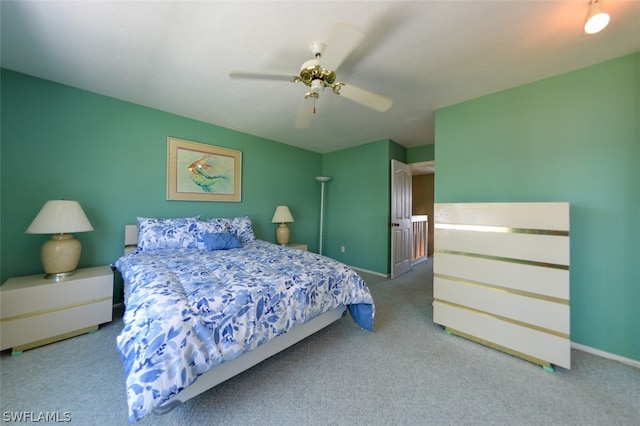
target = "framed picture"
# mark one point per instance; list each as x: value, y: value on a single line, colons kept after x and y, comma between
x: 201, y: 172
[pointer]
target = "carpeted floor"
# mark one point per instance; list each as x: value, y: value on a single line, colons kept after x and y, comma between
x: 407, y: 372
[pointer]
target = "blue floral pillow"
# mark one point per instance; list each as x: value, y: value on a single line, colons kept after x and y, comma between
x: 157, y: 234
x: 221, y: 241
x: 211, y: 226
x: 242, y: 228
x: 221, y: 223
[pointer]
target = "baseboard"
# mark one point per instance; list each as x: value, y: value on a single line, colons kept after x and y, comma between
x: 379, y: 274
x: 607, y: 355
x: 370, y: 272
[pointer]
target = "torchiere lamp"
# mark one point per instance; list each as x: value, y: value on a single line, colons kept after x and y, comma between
x: 322, y: 180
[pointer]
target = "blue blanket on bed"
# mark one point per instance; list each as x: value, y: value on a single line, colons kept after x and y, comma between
x: 188, y: 310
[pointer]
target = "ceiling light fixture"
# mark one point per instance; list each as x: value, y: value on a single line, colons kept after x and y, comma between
x: 597, y: 20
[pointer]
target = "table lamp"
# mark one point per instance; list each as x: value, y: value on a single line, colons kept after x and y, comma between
x: 282, y: 216
x: 60, y: 254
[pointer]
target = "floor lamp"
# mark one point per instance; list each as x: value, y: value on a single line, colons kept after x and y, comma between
x: 322, y: 180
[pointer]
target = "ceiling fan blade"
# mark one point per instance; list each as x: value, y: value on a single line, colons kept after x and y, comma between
x: 305, y: 113
x: 261, y: 75
x: 369, y: 99
x: 342, y: 40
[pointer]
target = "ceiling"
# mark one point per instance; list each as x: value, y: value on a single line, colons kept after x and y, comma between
x: 176, y: 56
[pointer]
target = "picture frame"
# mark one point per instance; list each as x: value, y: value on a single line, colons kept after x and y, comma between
x: 202, y: 172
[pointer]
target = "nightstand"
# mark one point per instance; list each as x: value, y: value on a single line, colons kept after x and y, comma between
x: 35, y: 311
x: 297, y: 246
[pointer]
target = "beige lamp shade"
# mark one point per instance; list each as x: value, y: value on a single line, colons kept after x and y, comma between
x: 60, y: 254
x: 282, y: 216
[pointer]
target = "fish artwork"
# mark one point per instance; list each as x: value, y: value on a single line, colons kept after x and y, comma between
x: 213, y: 174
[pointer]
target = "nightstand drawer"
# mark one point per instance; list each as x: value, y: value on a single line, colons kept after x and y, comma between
x: 297, y: 246
x: 33, y: 293
x: 35, y: 311
x: 54, y: 325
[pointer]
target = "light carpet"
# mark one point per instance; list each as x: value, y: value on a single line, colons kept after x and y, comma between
x: 407, y: 372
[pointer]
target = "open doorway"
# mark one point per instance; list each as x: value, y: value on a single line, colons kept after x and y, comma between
x: 422, y: 200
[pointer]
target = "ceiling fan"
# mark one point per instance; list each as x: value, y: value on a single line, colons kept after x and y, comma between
x: 319, y: 73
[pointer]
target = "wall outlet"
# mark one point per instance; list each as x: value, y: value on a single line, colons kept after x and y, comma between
x: 342, y: 249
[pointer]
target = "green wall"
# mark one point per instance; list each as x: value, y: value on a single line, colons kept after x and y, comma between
x: 357, y: 204
x: 417, y: 154
x: 110, y: 155
x: 576, y: 138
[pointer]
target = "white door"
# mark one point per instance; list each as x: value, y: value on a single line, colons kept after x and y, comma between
x: 400, y: 224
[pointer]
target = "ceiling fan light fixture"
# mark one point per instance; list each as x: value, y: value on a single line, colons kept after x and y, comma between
x: 317, y: 85
x: 318, y: 73
x: 597, y: 20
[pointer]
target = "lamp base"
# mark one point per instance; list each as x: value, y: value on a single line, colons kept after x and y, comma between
x: 59, y: 276
x: 60, y: 256
x: 282, y: 234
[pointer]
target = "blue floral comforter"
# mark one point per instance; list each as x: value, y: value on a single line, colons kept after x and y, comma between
x: 188, y: 310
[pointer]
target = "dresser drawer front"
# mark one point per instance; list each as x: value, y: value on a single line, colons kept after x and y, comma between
x: 28, y: 328
x: 23, y: 296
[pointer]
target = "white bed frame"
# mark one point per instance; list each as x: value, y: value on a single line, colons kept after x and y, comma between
x: 236, y: 366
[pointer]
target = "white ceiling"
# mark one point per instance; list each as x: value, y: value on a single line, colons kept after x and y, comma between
x: 175, y: 56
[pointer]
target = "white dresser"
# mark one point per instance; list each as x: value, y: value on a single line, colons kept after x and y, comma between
x: 501, y: 277
x: 35, y: 311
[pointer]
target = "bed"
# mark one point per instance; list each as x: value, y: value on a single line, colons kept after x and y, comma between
x: 206, y: 300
